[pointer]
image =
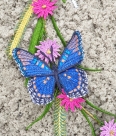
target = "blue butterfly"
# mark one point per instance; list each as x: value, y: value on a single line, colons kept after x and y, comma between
x: 66, y: 75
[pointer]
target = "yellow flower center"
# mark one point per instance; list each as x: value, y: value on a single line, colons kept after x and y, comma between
x: 71, y: 99
x: 111, y: 133
x: 44, y: 6
x: 48, y: 51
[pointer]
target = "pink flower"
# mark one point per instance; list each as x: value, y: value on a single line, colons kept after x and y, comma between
x: 70, y: 103
x: 45, y: 47
x: 42, y: 8
x: 109, y: 129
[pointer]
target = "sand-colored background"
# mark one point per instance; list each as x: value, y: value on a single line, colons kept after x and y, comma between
x: 96, y: 20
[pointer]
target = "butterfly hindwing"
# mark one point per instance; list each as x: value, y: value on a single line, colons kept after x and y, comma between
x: 74, y: 82
x: 41, y: 89
x: 72, y: 54
x: 30, y: 65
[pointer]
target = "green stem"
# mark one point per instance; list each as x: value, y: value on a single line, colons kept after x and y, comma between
x: 99, y: 109
x: 91, y: 115
x: 100, y: 122
x: 89, y: 69
x: 46, y: 110
x: 89, y: 122
x: 64, y: 1
x: 58, y: 31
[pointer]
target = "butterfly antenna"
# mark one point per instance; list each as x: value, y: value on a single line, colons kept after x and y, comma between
x: 51, y: 49
x: 45, y: 56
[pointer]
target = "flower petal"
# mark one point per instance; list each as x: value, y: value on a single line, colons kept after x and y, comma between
x: 107, y: 128
x: 43, y: 11
x: 61, y: 96
x: 45, y: 46
x: 67, y: 106
x: 72, y: 107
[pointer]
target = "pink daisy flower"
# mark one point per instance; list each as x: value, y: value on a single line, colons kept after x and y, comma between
x: 70, y: 103
x: 109, y: 129
x: 42, y: 8
x: 45, y: 47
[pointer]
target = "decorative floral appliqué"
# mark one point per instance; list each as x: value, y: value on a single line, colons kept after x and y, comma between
x: 109, y: 129
x: 43, y: 8
x: 45, y: 47
x: 70, y: 103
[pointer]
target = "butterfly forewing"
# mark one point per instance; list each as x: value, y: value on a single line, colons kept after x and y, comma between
x: 72, y: 54
x: 30, y: 65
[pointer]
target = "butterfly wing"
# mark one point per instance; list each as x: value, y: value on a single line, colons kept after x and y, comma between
x: 41, y: 89
x: 30, y: 65
x: 72, y: 54
x: 74, y: 82
x: 41, y: 85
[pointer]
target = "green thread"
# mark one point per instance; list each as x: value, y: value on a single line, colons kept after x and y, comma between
x: 99, y: 109
x: 64, y: 1
x: 99, y: 121
x: 26, y: 82
x: 46, y: 110
x: 57, y: 31
x: 37, y: 35
x: 89, y: 122
x: 89, y: 69
x: 59, y: 119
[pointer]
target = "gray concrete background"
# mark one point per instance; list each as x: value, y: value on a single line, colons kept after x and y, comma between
x: 96, y: 20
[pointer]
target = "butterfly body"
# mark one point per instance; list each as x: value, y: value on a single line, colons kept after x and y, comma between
x: 43, y: 79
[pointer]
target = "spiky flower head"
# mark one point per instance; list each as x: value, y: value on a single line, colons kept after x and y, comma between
x: 70, y: 103
x: 43, y: 8
x: 109, y: 129
x: 45, y: 47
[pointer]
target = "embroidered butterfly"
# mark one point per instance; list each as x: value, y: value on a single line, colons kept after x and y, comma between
x: 66, y: 75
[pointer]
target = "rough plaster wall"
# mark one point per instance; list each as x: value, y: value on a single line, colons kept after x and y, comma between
x: 96, y: 20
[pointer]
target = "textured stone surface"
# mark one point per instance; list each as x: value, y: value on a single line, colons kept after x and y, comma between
x: 96, y: 20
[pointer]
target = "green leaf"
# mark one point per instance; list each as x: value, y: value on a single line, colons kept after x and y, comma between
x: 99, y: 109
x: 46, y: 110
x: 59, y: 119
x: 37, y: 35
x: 89, y: 122
x: 89, y: 69
x: 58, y: 31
